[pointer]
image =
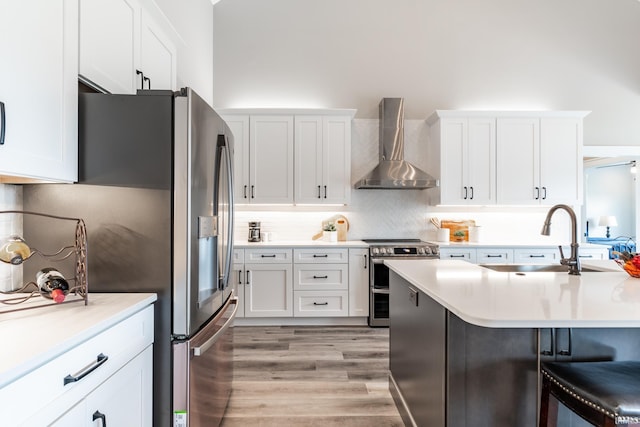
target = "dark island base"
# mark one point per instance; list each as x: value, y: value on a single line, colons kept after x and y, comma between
x: 446, y: 372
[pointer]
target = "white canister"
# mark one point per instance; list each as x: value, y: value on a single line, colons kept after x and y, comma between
x: 267, y: 236
x: 475, y: 233
x: 442, y: 234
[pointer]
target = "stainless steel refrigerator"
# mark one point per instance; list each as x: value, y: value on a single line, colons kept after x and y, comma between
x: 155, y: 191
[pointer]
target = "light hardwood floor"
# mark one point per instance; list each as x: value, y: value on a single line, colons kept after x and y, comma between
x: 311, y: 376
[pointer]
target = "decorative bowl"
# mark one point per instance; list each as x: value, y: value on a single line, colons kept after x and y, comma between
x: 630, y: 265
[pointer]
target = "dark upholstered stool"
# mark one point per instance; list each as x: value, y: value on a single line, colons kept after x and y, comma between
x: 603, y: 393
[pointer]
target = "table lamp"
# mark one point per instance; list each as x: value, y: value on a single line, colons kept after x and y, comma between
x: 608, y: 221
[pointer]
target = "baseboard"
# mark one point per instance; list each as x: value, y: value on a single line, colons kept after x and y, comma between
x: 300, y: 321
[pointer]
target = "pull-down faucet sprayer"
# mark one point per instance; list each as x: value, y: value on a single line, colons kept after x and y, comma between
x: 574, y: 261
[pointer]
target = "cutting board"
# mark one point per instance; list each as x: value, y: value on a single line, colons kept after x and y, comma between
x: 458, y: 225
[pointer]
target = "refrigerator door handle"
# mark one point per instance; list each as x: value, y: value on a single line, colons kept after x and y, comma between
x: 201, y: 349
x: 230, y: 223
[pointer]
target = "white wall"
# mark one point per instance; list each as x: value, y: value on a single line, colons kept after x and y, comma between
x: 193, y: 22
x: 437, y: 54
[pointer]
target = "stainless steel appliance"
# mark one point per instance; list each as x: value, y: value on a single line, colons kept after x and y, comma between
x: 155, y: 191
x: 393, y: 172
x: 379, y: 250
x: 254, y: 231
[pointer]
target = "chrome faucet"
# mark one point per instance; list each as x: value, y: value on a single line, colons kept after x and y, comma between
x: 574, y: 261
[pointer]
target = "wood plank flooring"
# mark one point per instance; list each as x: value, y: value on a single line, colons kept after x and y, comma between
x: 311, y: 376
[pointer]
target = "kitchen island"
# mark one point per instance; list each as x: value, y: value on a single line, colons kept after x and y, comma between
x: 466, y: 342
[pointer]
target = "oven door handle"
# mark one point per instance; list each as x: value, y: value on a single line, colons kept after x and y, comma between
x: 377, y: 260
x: 380, y: 291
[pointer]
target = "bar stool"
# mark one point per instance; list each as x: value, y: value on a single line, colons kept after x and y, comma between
x: 606, y: 394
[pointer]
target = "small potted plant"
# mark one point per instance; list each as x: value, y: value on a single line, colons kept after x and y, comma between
x: 458, y: 235
x: 330, y: 232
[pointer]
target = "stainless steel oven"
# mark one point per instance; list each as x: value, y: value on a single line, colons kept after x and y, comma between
x: 379, y: 250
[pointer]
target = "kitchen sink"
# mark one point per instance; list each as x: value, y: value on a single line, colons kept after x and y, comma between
x: 533, y: 268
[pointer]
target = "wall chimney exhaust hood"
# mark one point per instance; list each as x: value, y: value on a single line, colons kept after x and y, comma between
x: 393, y: 172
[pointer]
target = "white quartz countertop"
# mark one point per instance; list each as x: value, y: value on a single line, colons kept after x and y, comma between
x: 31, y: 338
x: 488, y: 298
x: 300, y: 244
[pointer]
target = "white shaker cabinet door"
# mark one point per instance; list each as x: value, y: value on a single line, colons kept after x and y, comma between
x: 454, y: 157
x: 561, y: 160
x: 359, y: 282
x: 336, y: 160
x: 271, y: 159
x: 308, y: 159
x: 268, y: 290
x: 239, y: 125
x: 38, y: 89
x: 109, y: 41
x: 158, y: 55
x: 480, y: 161
x: 518, y: 167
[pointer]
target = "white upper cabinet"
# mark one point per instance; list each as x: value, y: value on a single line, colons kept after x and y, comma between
x: 506, y: 158
x: 322, y: 159
x: 540, y: 159
x: 271, y: 159
x: 466, y: 159
x: 266, y: 170
x: 122, y: 48
x: 239, y: 125
x: 38, y: 90
x: 263, y: 158
x: 158, y: 57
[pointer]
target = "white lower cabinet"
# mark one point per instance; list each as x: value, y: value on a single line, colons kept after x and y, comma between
x: 264, y: 280
x: 494, y: 256
x: 460, y: 254
x: 122, y: 400
x: 110, y: 373
x: 358, y: 282
x: 301, y: 282
x: 537, y: 256
x: 525, y: 255
x: 321, y: 285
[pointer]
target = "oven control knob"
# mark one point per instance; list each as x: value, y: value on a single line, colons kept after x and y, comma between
x: 374, y: 251
x: 390, y: 251
x: 422, y: 251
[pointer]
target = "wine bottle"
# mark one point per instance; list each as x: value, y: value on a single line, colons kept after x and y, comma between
x: 52, y: 284
x: 14, y: 250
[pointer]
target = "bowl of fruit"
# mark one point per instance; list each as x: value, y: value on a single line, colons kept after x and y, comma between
x: 630, y: 262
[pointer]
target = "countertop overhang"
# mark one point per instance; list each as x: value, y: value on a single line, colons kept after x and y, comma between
x: 483, y: 297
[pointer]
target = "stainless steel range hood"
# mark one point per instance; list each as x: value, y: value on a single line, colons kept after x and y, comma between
x: 393, y: 172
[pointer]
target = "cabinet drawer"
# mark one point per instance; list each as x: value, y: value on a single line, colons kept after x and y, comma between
x: 536, y: 256
x: 120, y: 343
x: 461, y: 254
x: 320, y: 303
x: 321, y: 256
x: 589, y: 254
x: 319, y: 277
x: 267, y: 256
x: 494, y: 256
